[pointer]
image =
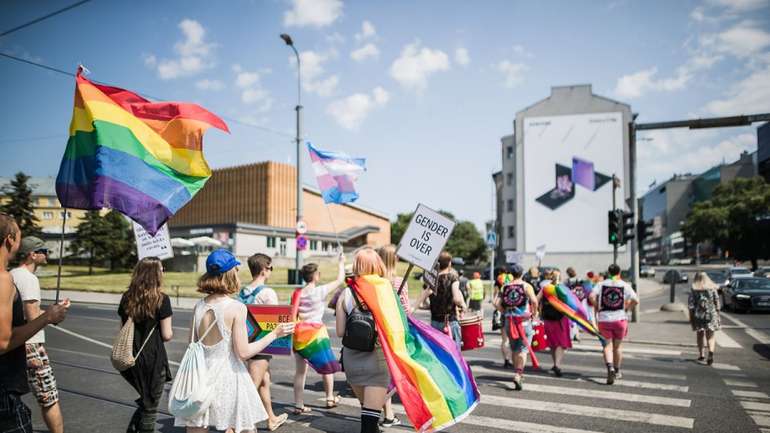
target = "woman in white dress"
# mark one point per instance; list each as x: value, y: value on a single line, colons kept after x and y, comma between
x: 220, y: 321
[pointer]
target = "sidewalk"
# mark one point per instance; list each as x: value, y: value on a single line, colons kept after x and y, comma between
x: 109, y: 298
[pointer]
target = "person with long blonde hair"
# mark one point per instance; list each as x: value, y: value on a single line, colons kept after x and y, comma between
x: 703, y: 305
x: 150, y: 309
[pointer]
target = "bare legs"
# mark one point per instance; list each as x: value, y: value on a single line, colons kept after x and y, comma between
x: 300, y: 373
x: 52, y: 417
x: 557, y: 355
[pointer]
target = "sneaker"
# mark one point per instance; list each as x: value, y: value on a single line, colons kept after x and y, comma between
x: 710, y: 359
x: 507, y: 364
x: 556, y: 371
x: 517, y: 383
x: 618, y: 375
x: 385, y: 423
x: 610, y: 377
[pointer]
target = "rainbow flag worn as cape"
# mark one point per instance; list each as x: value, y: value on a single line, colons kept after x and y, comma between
x: 311, y: 341
x: 431, y: 377
x: 144, y: 159
x: 565, y: 302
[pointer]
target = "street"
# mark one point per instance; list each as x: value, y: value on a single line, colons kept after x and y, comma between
x: 663, y: 388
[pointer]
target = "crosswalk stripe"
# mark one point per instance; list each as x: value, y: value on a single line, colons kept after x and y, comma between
x: 720, y: 366
x: 724, y: 340
x: 609, y: 395
x: 577, y: 348
x: 749, y: 394
x: 752, y: 405
x: 741, y: 383
x: 761, y: 420
x: 599, y: 380
x: 597, y: 360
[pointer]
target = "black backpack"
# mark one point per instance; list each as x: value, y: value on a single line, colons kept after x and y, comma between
x: 360, y: 331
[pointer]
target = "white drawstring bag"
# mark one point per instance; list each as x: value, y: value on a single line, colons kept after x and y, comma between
x: 191, y: 393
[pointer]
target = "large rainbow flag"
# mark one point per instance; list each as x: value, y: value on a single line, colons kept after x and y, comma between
x: 432, y: 379
x: 142, y: 158
x: 311, y: 341
x: 564, y: 301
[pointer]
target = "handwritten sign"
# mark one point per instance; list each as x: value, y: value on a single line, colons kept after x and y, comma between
x: 153, y: 246
x: 262, y: 319
x: 425, y: 237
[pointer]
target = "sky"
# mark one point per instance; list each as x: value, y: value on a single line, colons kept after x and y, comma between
x: 423, y: 90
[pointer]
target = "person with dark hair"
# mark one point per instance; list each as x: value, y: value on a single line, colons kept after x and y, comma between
x: 150, y: 310
x: 15, y: 330
x: 518, y: 303
x: 312, y: 303
x: 445, y: 300
x: 257, y: 293
x: 503, y: 278
x: 556, y: 326
x: 610, y: 299
x: 463, y: 284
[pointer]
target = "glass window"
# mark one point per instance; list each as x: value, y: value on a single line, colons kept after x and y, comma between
x: 511, y: 232
x: 510, y: 205
x: 313, y: 245
x: 509, y: 152
x: 271, y: 241
x: 47, y: 215
x: 509, y: 179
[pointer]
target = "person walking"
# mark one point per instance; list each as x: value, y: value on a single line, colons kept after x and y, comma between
x: 503, y: 278
x: 257, y: 293
x: 445, y: 300
x: 533, y: 277
x: 518, y: 303
x: 312, y: 303
x: 32, y: 254
x: 463, y: 285
x: 219, y: 323
x: 703, y: 305
x: 366, y: 371
x: 150, y: 310
x: 15, y: 330
x: 557, y: 329
x: 476, y: 294
x: 611, y: 299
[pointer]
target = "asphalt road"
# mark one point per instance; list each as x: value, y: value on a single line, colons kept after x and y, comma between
x: 663, y: 389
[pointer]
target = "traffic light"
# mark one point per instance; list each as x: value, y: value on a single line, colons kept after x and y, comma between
x: 629, y: 228
x: 641, y: 232
x: 614, y: 231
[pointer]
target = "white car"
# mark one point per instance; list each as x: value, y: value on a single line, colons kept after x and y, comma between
x: 647, y: 272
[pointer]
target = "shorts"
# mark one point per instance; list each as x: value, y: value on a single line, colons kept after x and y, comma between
x: 616, y: 330
x: 518, y: 345
x: 558, y: 333
x: 40, y: 376
x: 366, y: 368
x: 474, y: 305
x: 15, y: 416
x: 454, y: 328
x: 260, y: 357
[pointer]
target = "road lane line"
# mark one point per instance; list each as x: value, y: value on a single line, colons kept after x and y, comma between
x: 740, y: 383
x: 724, y: 340
x: 762, y: 337
x: 749, y: 394
x: 91, y: 340
x: 752, y: 405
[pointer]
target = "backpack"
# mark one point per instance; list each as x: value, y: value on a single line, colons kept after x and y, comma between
x: 191, y: 392
x: 122, y: 356
x: 360, y: 331
x: 702, y: 303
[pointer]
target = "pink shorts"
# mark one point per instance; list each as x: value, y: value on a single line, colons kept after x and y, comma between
x: 616, y: 330
x: 557, y: 332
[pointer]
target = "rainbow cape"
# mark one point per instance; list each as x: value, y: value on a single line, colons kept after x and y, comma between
x: 142, y: 158
x: 565, y: 302
x: 432, y: 379
x: 311, y: 341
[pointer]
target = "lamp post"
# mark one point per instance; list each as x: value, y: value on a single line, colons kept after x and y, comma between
x: 298, y: 254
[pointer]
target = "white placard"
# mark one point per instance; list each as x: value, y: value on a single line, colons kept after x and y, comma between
x: 148, y: 246
x: 540, y: 253
x: 425, y: 237
x: 512, y: 257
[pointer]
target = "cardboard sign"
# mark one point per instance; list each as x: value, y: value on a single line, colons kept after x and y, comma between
x: 425, y: 237
x: 264, y: 318
x: 540, y: 252
x: 512, y: 257
x: 153, y: 246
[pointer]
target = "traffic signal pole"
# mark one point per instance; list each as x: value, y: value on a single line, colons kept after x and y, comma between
x: 614, y: 208
x: 635, y: 212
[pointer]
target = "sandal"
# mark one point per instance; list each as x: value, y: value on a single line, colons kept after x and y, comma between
x: 279, y: 421
x: 331, y: 403
x: 304, y: 410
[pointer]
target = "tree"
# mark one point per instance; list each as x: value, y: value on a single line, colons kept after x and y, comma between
x: 90, y: 238
x: 20, y: 206
x: 465, y: 241
x: 398, y: 227
x: 105, y: 238
x: 121, y: 248
x: 736, y: 218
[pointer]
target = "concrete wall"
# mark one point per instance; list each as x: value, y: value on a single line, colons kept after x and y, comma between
x: 508, y: 193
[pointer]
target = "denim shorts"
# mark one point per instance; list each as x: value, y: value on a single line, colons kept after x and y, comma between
x: 454, y: 328
x: 518, y: 345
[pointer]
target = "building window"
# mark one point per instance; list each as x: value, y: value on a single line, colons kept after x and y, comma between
x: 271, y: 241
x: 313, y: 245
x: 47, y: 215
x: 69, y: 214
x: 511, y: 232
x: 509, y: 152
x: 509, y: 205
x: 509, y: 179
x: 325, y: 246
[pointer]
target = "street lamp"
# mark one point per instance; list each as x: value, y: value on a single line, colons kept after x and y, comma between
x: 298, y: 254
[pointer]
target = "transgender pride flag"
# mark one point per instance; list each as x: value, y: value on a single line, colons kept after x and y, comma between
x: 336, y: 174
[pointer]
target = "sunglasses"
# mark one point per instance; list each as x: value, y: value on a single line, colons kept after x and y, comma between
x: 42, y: 251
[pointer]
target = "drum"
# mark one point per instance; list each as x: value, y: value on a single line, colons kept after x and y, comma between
x: 539, y: 340
x: 473, y: 333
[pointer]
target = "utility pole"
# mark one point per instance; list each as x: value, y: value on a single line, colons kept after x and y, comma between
x: 615, y: 186
x: 634, y: 211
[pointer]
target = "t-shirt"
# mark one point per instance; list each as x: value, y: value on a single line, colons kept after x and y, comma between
x: 312, y: 303
x: 29, y: 289
x: 265, y: 295
x: 611, y: 297
x: 442, y: 306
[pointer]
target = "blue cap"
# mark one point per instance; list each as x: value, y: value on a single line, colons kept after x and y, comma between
x: 517, y: 269
x: 220, y: 261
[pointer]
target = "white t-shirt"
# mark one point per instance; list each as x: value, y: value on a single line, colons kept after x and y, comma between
x: 29, y: 289
x: 266, y: 295
x: 312, y: 303
x: 611, y: 296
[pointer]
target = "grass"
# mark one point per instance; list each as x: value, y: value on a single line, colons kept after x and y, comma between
x: 104, y: 281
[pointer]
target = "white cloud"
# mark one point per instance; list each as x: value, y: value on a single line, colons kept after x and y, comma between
x: 252, y: 91
x: 750, y: 95
x: 351, y: 111
x: 193, y: 53
x: 207, y: 84
x: 313, y: 71
x: 316, y: 13
x: 521, y: 51
x: 415, y: 64
x: 513, y: 73
x: 461, y: 56
x: 367, y: 51
x: 367, y: 31
x: 246, y: 79
x: 742, y: 40
x: 740, y: 5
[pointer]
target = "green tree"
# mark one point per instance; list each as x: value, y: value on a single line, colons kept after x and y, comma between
x: 91, y: 238
x: 121, y: 248
x: 465, y: 241
x: 398, y: 227
x: 105, y: 238
x: 736, y: 218
x: 20, y: 206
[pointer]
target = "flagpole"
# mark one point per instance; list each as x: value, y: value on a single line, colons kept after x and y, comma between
x: 336, y: 235
x: 61, y: 254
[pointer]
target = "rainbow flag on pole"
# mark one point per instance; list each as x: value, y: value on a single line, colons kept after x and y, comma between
x: 336, y: 174
x: 144, y: 159
x: 432, y: 379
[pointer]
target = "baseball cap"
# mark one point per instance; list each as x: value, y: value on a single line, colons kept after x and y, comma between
x: 30, y: 244
x: 516, y: 269
x: 221, y: 261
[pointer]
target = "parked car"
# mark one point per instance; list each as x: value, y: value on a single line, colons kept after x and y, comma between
x: 763, y: 272
x: 737, y: 272
x: 673, y: 275
x: 747, y: 293
x: 647, y: 271
x: 719, y: 278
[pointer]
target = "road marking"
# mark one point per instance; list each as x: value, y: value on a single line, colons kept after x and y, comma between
x: 761, y: 420
x: 115, y: 320
x: 602, y: 370
x: 91, y: 340
x: 742, y: 383
x: 593, y: 349
x: 749, y: 394
x: 724, y: 340
x: 609, y: 395
x: 752, y: 332
x: 752, y: 405
x: 720, y: 366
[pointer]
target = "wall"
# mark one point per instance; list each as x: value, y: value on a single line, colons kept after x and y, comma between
x: 508, y: 192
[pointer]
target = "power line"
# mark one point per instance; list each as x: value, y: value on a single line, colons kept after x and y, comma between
x: 45, y: 17
x: 70, y: 74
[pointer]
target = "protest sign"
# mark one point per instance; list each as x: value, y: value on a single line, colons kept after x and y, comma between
x: 264, y: 318
x: 425, y: 237
x: 512, y: 257
x: 153, y: 246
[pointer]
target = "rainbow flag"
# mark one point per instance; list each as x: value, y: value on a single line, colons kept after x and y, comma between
x: 432, y: 379
x: 142, y: 158
x: 311, y: 341
x: 565, y: 302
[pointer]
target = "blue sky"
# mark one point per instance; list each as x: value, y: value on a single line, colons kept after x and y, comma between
x: 424, y: 90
